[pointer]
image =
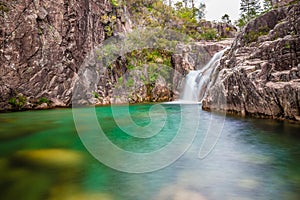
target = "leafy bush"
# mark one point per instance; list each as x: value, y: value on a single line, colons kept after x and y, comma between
x: 114, y: 3
x: 241, y: 22
x: 155, y: 13
x: 210, y: 34
x: 43, y: 100
x: 96, y: 95
x: 17, y: 102
x: 108, y: 31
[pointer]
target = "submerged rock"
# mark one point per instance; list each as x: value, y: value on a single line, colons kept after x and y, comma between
x: 50, y: 158
x: 45, y: 174
x: 260, y: 74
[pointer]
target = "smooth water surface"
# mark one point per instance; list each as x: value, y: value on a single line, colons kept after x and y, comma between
x: 42, y: 157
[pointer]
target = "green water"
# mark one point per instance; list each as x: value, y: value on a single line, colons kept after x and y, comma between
x: 42, y: 157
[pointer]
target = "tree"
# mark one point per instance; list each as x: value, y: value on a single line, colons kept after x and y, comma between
x: 225, y: 19
x: 193, y: 7
x: 249, y: 9
x: 178, y: 5
x: 190, y: 11
x: 185, y: 3
x: 267, y: 5
x: 200, y: 11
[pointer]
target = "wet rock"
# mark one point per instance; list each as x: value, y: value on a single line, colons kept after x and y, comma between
x: 58, y: 159
x: 45, y: 173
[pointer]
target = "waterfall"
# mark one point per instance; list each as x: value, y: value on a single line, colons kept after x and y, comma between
x: 197, y: 82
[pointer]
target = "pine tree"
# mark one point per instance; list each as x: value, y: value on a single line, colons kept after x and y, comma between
x: 193, y: 7
x: 225, y: 18
x: 250, y: 8
x: 267, y: 5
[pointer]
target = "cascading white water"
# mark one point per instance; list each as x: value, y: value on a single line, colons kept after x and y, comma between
x: 197, y: 82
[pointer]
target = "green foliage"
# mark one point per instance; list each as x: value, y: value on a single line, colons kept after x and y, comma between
x: 96, y: 95
x: 226, y: 19
x: 114, y: 3
x: 129, y: 82
x: 135, y: 59
x: 287, y: 45
x: 186, y: 14
x: 18, y: 102
x: 267, y: 6
x: 241, y: 22
x: 252, y: 36
x: 154, y: 13
x: 293, y: 2
x: 154, y: 56
x: 43, y: 100
x: 210, y: 34
x: 130, y: 67
x: 178, y: 5
x: 156, y: 61
x: 155, y: 71
x: 3, y: 7
x: 104, y: 19
x: 143, y: 78
x: 40, y: 31
x: 249, y: 10
x: 113, y: 18
x: 120, y: 80
x: 108, y: 31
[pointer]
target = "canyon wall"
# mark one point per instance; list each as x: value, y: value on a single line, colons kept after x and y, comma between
x: 44, y: 42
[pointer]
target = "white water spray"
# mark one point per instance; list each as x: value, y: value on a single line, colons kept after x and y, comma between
x: 197, y: 82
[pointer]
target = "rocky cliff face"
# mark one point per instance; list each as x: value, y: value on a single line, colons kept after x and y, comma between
x: 260, y: 74
x: 43, y: 43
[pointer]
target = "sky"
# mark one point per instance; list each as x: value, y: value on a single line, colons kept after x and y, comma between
x: 215, y: 9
